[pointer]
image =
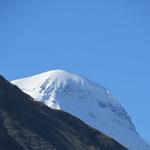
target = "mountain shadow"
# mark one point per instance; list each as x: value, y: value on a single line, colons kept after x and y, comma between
x: 29, y: 125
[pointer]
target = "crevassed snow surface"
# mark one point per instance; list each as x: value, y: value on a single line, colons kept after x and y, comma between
x: 86, y: 100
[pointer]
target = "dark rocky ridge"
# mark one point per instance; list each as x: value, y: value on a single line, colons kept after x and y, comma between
x: 29, y: 125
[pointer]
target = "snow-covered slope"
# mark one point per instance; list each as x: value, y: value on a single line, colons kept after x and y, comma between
x: 86, y: 100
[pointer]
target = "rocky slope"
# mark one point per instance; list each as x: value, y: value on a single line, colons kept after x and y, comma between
x: 29, y: 125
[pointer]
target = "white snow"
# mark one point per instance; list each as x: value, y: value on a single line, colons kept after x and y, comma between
x: 86, y: 100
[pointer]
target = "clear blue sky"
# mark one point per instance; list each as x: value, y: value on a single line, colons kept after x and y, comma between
x: 104, y: 40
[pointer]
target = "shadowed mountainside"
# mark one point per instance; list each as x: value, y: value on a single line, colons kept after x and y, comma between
x: 29, y: 125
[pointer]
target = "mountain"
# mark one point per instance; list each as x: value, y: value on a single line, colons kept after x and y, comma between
x: 86, y: 100
x: 29, y: 125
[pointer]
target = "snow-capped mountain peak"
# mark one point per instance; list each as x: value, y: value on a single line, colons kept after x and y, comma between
x: 86, y: 100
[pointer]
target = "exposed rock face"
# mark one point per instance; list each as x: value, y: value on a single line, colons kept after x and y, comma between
x: 29, y: 125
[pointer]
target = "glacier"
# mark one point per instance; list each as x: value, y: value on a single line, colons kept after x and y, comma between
x: 92, y: 103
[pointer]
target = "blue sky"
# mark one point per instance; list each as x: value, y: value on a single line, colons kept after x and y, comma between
x: 106, y: 41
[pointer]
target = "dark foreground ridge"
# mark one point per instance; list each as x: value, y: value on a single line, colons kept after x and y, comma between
x: 29, y: 125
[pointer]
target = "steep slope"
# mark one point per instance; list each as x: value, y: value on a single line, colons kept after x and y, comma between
x: 29, y: 125
x: 86, y: 100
